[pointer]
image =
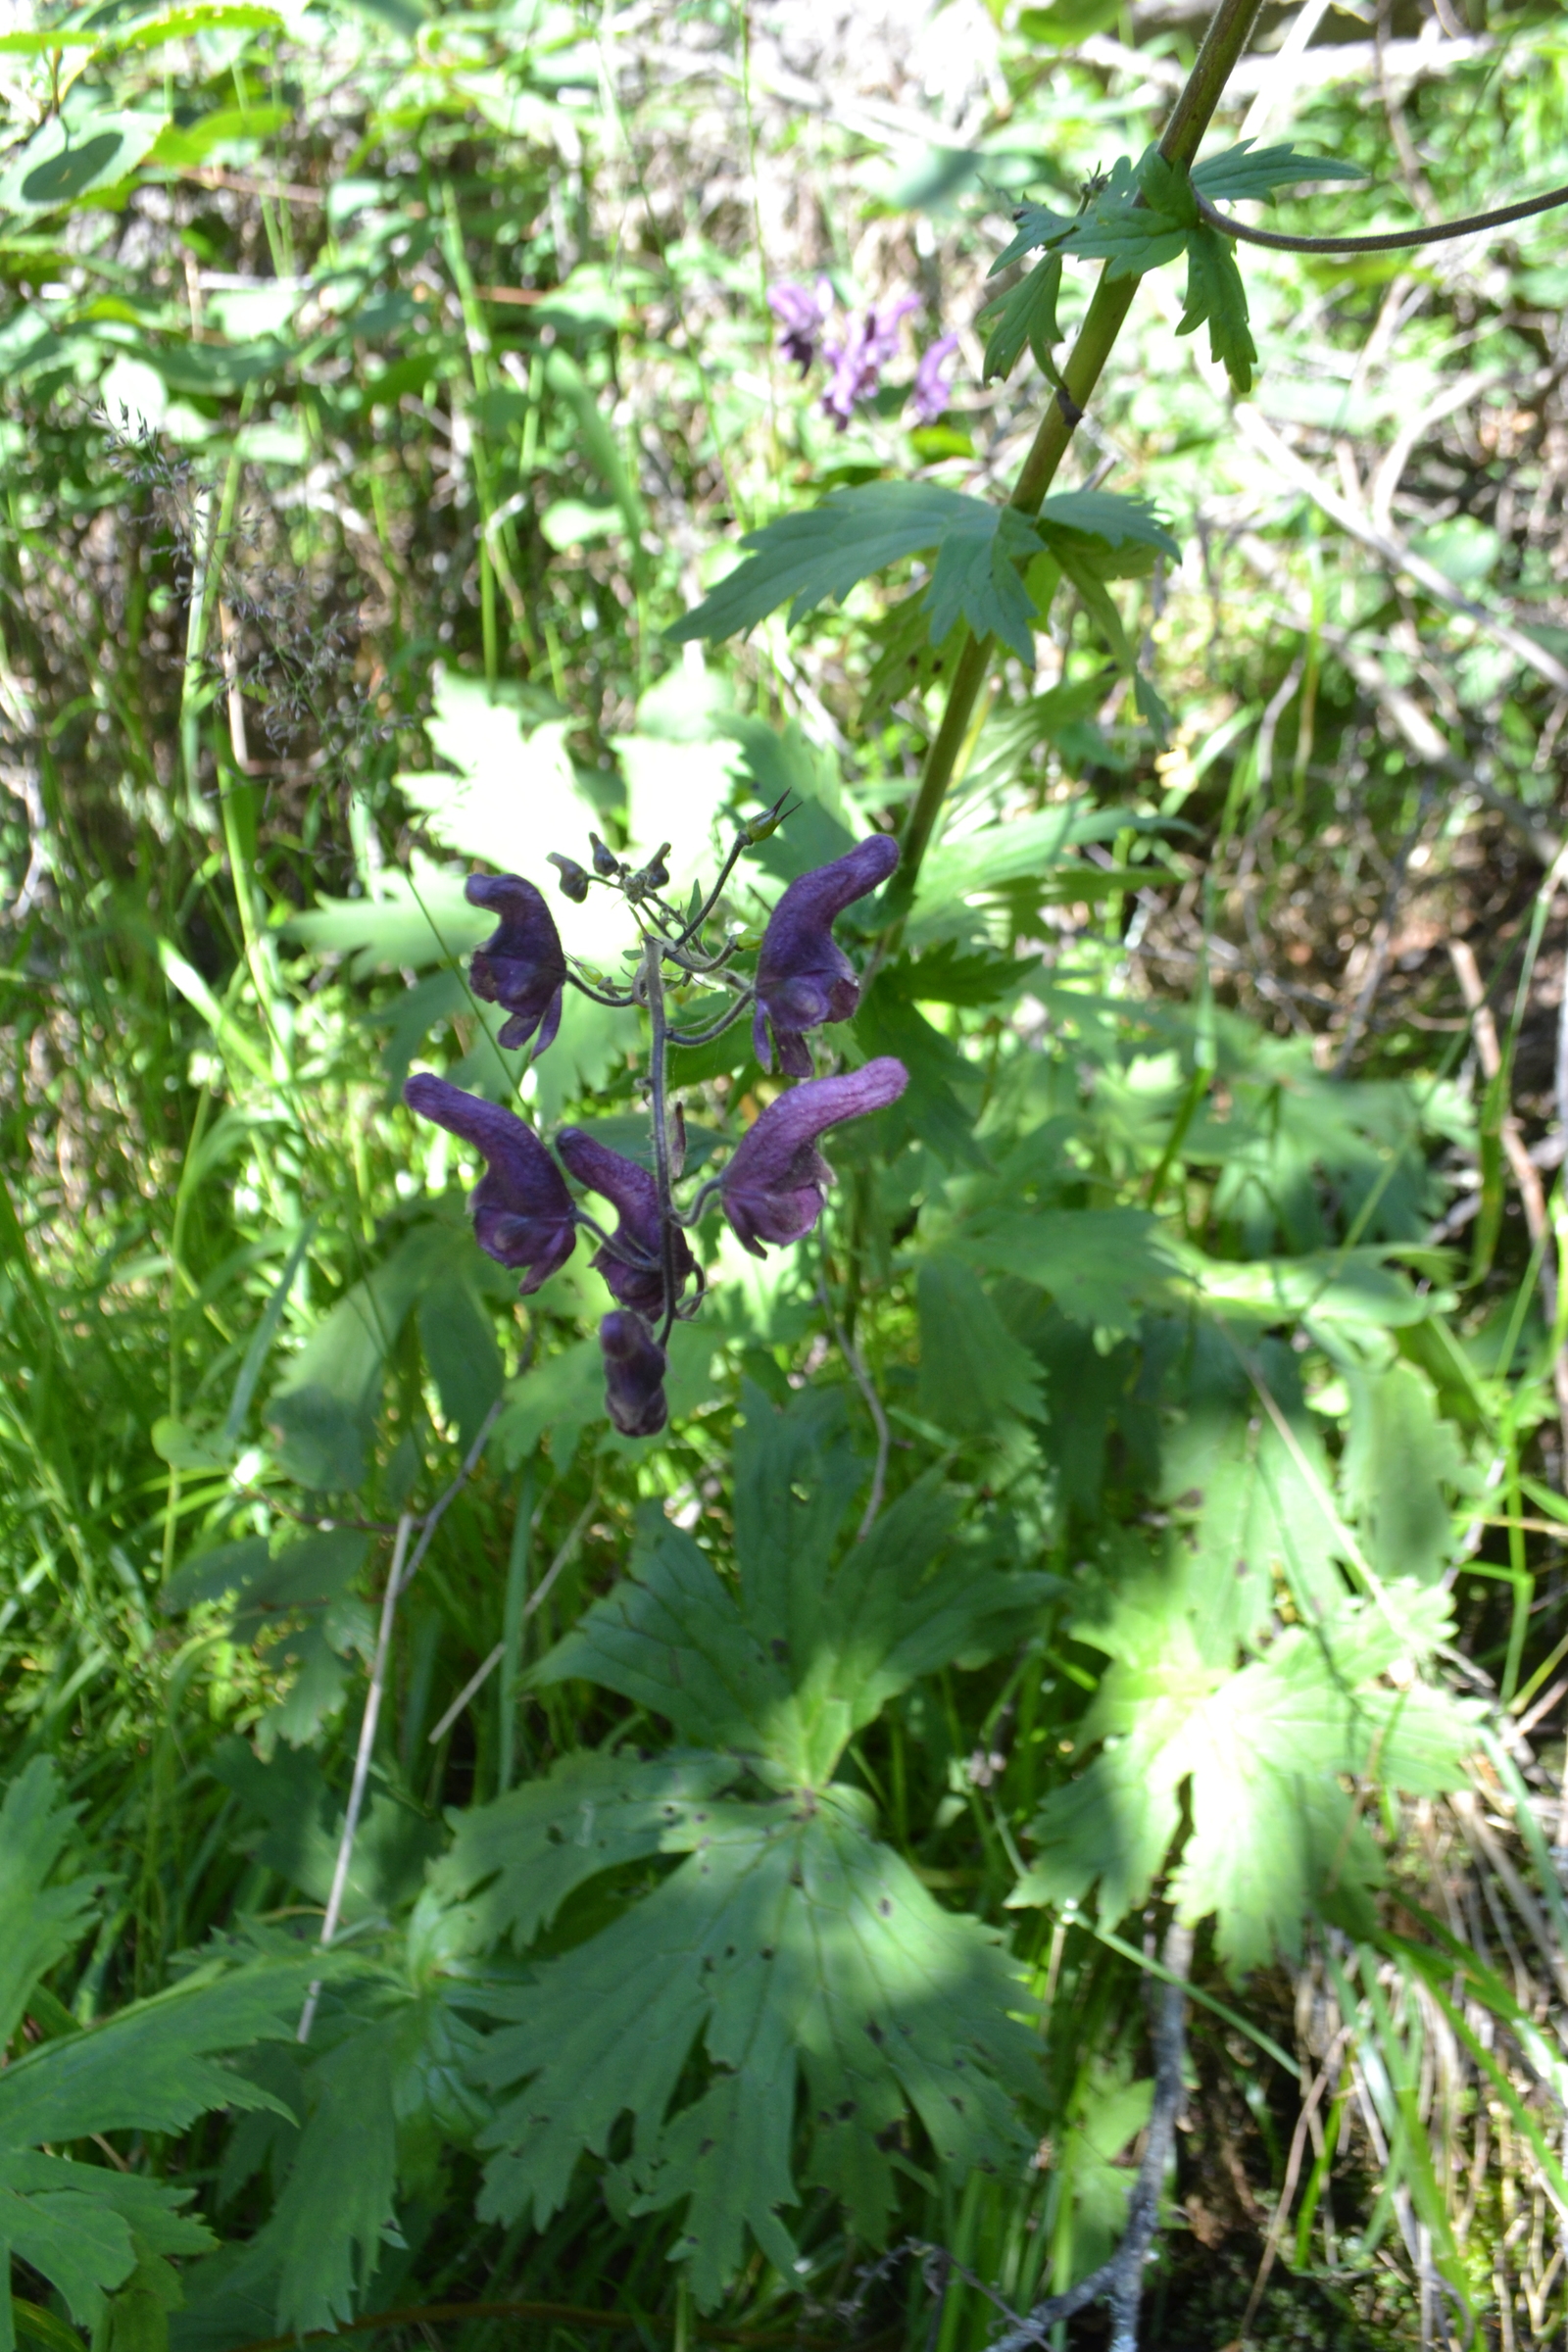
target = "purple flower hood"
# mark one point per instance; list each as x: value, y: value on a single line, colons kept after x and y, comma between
x: 522, y: 1211
x: 522, y: 966
x: 635, y: 1196
x: 774, y: 1188
x: 803, y: 975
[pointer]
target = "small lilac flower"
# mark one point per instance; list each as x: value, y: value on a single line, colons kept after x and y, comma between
x: 635, y: 1195
x: 803, y: 975
x: 802, y: 312
x: 635, y: 1375
x: 932, y: 389
x: 522, y: 966
x: 774, y: 1188
x: 857, y: 361
x: 522, y: 1211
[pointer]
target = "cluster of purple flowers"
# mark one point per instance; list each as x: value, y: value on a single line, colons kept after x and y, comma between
x: 856, y: 358
x: 773, y: 1186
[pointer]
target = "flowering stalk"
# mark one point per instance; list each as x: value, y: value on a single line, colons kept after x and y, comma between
x: 1226, y: 38
x: 776, y: 1181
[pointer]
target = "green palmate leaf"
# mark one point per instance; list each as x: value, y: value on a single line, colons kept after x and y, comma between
x: 89, y: 2230
x: 788, y: 1669
x: 1215, y: 293
x: 533, y: 1847
x: 804, y: 560
x: 791, y: 1943
x: 1248, y: 173
x: 977, y: 579
x: 1103, y: 1267
x: 1038, y: 226
x: 1263, y: 1754
x: 45, y: 1908
x: 324, y: 2233
x: 790, y: 1951
x: 417, y: 919
x: 154, y: 2067
x: 1255, y: 1509
x: 1105, y: 517
x: 1028, y: 848
x: 1025, y: 317
x: 931, y: 1106
x: 974, y: 1375
x: 157, y: 2065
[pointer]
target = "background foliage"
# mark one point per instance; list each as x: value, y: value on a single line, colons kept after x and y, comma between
x: 380, y: 389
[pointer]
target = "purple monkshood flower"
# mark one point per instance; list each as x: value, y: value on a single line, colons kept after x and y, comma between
x: 857, y: 361
x: 635, y: 1375
x: 802, y: 312
x: 635, y: 1195
x: 522, y: 1211
x: 932, y: 389
x: 803, y: 975
x: 522, y: 966
x: 773, y: 1186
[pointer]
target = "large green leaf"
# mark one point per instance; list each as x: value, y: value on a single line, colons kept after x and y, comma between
x: 1103, y: 1267
x: 1264, y: 1754
x: 785, y: 1666
x: 791, y: 1943
x: 974, y: 1375
x: 45, y: 1909
x: 74, y: 154
x: 821, y: 553
x: 153, y: 2066
x: 805, y: 558
x: 790, y: 1949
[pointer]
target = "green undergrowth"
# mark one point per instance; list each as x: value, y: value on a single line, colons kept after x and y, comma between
x: 1138, y: 1500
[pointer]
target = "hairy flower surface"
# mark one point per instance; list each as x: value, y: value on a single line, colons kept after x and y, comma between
x: 858, y: 361
x: 932, y: 388
x: 635, y: 1270
x: 803, y: 975
x: 635, y: 1375
x: 774, y: 1186
x: 522, y: 966
x: 802, y: 312
x: 522, y: 1212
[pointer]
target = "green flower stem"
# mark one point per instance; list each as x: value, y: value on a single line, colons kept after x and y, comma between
x: 658, y: 1074
x: 1223, y: 44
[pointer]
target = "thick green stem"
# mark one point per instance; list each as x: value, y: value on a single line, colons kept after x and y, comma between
x: 1223, y: 43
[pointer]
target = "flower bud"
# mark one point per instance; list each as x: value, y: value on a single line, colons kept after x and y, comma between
x: 635, y: 1375
x: 606, y: 863
x: 574, y: 878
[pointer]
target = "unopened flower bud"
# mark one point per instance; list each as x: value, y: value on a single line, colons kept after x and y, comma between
x: 635, y: 1375
x: 574, y: 879
x: 606, y: 863
x: 655, y: 873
